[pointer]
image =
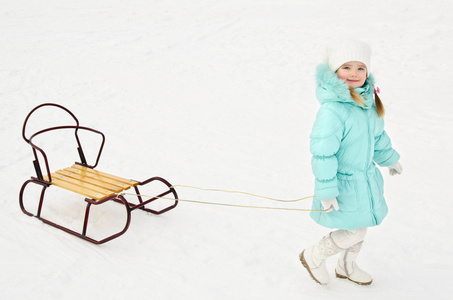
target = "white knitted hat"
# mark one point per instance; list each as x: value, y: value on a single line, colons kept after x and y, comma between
x: 343, y: 51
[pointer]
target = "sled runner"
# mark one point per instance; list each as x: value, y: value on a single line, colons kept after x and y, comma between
x: 97, y: 187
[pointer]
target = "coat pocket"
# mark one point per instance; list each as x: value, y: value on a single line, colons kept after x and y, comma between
x: 347, y: 187
x: 377, y: 187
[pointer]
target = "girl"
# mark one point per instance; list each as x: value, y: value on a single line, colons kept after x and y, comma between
x: 347, y: 139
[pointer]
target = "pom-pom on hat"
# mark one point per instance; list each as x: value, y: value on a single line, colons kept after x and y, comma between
x: 343, y: 51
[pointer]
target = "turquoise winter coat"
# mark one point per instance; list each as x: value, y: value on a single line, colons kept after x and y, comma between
x: 346, y: 142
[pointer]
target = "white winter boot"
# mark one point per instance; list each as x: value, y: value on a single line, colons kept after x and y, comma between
x: 348, y: 269
x: 314, y: 259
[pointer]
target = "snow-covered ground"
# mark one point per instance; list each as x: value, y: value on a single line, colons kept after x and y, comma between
x: 220, y: 94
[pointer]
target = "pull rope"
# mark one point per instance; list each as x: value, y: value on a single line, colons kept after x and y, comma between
x: 238, y: 192
x: 232, y: 205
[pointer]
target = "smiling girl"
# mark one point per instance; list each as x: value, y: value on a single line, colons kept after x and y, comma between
x: 347, y: 141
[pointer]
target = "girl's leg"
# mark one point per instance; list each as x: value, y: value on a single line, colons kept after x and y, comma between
x: 314, y: 258
x: 351, y: 242
x: 347, y: 238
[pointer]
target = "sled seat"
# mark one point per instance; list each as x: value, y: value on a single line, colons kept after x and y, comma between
x: 90, y: 183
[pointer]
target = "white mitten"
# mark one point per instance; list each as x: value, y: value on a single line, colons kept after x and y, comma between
x: 396, y: 168
x: 328, y: 204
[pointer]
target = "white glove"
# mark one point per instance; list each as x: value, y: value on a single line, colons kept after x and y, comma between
x: 396, y: 168
x: 329, y: 203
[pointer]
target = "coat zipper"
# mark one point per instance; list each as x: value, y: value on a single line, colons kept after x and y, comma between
x: 370, y: 192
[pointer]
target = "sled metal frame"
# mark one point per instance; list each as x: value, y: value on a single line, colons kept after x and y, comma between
x: 84, y: 185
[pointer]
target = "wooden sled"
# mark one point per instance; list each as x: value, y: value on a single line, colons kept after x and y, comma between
x: 97, y: 187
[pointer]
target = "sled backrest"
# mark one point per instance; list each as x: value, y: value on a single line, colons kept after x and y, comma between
x: 38, y: 150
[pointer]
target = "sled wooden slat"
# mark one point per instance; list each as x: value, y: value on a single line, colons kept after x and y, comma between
x: 83, y: 183
x: 103, y: 175
x: 88, y: 180
x: 80, y: 189
x: 93, y: 176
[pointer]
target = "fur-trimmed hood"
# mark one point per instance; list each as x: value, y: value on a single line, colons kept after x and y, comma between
x: 330, y: 88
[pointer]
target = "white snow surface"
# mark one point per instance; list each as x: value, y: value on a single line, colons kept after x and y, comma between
x: 219, y: 94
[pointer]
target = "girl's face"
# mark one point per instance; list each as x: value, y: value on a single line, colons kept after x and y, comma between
x: 353, y: 73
